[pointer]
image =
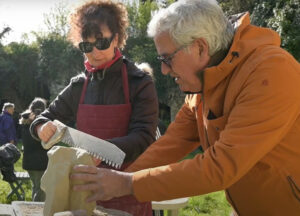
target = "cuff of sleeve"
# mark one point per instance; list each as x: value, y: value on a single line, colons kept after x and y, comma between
x: 33, y: 125
x: 141, y: 186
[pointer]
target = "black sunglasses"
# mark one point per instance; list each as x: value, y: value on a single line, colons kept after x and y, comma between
x: 168, y: 59
x: 100, y: 44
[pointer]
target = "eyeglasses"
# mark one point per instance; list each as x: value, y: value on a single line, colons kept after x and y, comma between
x: 100, y: 44
x: 168, y: 60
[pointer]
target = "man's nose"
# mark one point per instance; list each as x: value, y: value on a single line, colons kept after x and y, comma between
x: 165, y: 69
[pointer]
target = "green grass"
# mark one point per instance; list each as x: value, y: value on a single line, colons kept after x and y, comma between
x: 213, y: 204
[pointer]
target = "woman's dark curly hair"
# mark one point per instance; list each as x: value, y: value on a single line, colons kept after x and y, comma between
x: 86, y: 20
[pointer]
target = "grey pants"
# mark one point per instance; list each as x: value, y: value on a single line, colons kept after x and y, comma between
x: 38, y: 195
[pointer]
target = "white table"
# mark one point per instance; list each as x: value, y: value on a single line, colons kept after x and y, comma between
x: 172, y: 206
x: 6, y: 210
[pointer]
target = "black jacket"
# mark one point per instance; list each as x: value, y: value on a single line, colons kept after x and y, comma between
x: 34, y: 156
x: 109, y: 90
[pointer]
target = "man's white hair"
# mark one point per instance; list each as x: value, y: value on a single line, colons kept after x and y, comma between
x: 7, y: 106
x: 187, y: 20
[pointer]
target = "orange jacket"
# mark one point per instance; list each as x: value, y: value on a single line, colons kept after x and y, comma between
x: 252, y: 145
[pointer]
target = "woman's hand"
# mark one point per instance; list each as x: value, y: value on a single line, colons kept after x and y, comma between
x: 105, y: 184
x: 45, y: 131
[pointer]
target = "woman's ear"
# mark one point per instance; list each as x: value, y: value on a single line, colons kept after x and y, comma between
x: 116, y: 40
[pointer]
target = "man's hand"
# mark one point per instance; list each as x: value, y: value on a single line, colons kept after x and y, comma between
x: 105, y: 184
x: 45, y: 131
x: 96, y: 161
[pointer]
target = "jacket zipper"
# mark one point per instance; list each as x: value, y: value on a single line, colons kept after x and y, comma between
x: 293, y: 186
x: 206, y: 137
x: 202, y: 99
x: 205, y: 131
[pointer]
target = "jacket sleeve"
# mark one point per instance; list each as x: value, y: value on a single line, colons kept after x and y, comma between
x: 143, y: 121
x: 62, y: 108
x: 180, y: 139
x: 264, y: 112
x: 10, y: 130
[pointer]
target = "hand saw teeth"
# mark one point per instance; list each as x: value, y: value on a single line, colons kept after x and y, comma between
x: 98, y: 157
x: 110, y: 163
x: 81, y: 140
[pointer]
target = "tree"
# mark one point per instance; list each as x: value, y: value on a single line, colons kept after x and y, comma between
x: 237, y: 6
x: 59, y: 60
x: 141, y: 48
x: 283, y: 16
x: 56, y: 21
x: 19, y: 74
x: 4, y: 31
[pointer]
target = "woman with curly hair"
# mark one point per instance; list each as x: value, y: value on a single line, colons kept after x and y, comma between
x: 113, y: 99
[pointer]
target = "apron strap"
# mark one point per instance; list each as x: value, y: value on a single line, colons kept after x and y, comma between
x: 84, y: 88
x: 124, y: 80
x: 125, y: 83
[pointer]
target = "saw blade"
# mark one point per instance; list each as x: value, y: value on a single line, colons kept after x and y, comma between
x: 96, y: 147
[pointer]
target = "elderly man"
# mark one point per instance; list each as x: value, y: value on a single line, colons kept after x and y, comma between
x: 7, y: 125
x: 243, y: 108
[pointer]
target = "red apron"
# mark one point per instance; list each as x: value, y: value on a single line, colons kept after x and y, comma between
x: 106, y: 122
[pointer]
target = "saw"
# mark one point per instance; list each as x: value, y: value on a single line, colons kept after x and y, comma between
x: 98, y: 148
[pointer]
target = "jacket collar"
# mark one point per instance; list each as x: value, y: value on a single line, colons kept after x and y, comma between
x: 6, y: 113
x: 104, y: 66
x: 246, y: 39
x: 132, y: 69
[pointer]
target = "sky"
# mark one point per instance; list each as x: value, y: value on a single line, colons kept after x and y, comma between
x: 24, y: 16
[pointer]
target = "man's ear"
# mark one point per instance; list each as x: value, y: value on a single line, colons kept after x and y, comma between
x: 202, y: 46
x: 200, y: 50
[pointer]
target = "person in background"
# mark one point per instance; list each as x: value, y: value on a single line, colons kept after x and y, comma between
x: 35, y: 159
x: 7, y: 125
x: 242, y: 106
x: 113, y: 99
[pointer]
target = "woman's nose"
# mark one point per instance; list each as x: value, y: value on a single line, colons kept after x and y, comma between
x: 94, y: 50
